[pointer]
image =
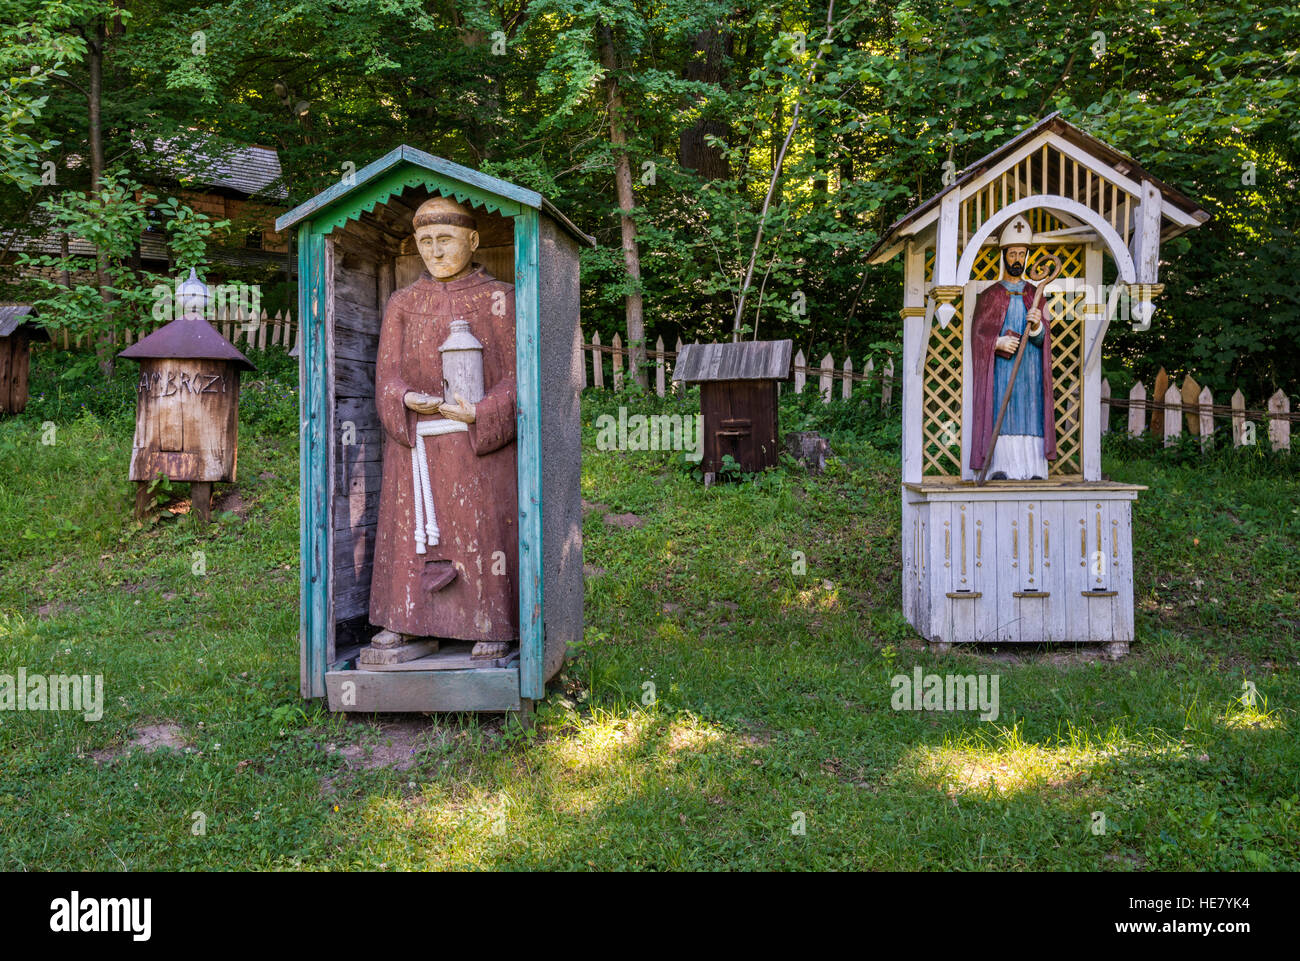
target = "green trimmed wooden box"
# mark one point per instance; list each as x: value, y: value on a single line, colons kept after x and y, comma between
x: 355, y: 248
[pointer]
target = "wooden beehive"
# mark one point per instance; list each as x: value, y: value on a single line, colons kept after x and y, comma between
x: 354, y: 251
x: 16, y: 337
x: 738, y: 398
x: 187, y: 407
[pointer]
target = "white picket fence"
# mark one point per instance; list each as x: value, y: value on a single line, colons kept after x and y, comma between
x: 1194, y: 407
x: 826, y: 373
x: 256, y: 331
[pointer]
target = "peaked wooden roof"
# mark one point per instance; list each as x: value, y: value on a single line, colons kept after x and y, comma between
x: 13, y: 316
x: 1053, y: 123
x: 188, y: 337
x: 409, y: 155
x: 747, y: 360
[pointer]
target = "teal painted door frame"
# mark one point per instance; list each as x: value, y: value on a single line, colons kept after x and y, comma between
x: 315, y: 494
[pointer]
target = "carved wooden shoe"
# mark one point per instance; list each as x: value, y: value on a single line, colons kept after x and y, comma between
x: 437, y: 575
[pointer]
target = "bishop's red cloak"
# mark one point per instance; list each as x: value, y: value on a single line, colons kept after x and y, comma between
x: 990, y: 312
x: 472, y: 474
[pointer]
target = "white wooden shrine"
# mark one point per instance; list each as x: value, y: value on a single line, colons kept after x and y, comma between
x: 1026, y: 561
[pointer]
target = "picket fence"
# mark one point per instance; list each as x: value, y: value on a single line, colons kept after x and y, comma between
x: 1194, y: 406
x: 1190, y: 405
x: 256, y: 331
x: 826, y: 373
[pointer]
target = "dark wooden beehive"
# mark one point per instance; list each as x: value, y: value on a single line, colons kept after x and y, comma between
x: 738, y: 398
x: 16, y: 337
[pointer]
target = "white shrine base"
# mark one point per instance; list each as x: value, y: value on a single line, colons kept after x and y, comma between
x: 1019, y: 561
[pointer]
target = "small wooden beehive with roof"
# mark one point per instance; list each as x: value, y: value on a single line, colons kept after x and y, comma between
x: 187, y: 403
x: 16, y: 336
x: 738, y: 390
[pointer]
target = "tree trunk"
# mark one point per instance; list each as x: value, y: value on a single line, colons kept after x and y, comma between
x: 695, y: 152
x: 94, y: 110
x: 627, y: 205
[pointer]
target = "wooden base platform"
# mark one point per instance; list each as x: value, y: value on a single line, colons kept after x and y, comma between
x: 443, y: 682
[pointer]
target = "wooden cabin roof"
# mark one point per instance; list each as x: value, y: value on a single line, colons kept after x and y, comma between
x: 202, y: 160
x: 187, y: 337
x: 13, y: 316
x: 1056, y: 124
x: 332, y: 196
x: 747, y: 360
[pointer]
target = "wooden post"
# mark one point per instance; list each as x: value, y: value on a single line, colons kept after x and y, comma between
x: 1279, y: 429
x: 1137, y: 404
x: 618, y: 362
x: 659, y: 366
x: 887, y: 388
x: 1173, y: 422
x: 1238, y: 417
x: 1158, y: 394
x: 827, y: 377
x: 1206, y: 417
x: 597, y: 364
x: 846, y: 390
x: 799, y: 376
x: 676, y: 353
x: 867, y: 373
x: 1191, y: 394
x: 1104, y: 413
x: 201, y: 500
x: 582, y: 356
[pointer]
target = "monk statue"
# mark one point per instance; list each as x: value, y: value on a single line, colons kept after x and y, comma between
x: 1004, y: 313
x: 446, y: 545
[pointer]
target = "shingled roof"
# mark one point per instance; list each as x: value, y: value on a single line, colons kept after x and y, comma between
x: 13, y: 316
x: 747, y: 360
x: 210, y: 162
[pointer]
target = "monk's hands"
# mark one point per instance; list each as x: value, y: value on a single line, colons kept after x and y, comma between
x: 1034, y: 322
x: 462, y: 410
x: 1006, y: 344
x: 422, y: 403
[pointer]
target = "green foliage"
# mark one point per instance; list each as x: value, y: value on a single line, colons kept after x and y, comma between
x: 112, y: 220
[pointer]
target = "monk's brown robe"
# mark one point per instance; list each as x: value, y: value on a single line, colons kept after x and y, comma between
x: 472, y: 473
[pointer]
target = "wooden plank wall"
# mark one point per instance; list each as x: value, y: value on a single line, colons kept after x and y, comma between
x: 361, y: 286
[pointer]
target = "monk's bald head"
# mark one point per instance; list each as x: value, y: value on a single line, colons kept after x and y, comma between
x: 446, y: 235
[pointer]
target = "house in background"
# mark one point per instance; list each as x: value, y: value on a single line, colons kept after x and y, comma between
x: 242, y: 184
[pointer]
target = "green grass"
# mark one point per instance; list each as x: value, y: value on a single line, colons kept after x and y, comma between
x: 771, y: 688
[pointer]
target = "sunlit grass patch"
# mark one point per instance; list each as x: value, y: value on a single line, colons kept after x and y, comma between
x: 1244, y: 714
x: 1003, y: 763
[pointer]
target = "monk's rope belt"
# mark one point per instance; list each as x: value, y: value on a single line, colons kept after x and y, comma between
x: 426, y: 524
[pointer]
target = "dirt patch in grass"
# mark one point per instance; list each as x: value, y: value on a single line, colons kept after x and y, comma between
x: 397, y: 745
x: 56, y: 607
x: 624, y: 520
x: 231, y: 501
x: 150, y: 738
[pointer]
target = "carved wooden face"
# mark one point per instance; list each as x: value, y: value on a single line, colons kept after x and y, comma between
x: 1013, y: 260
x: 445, y: 249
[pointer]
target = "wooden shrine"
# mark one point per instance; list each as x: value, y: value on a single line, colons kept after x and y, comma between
x: 187, y: 403
x: 356, y: 248
x: 17, y: 334
x: 738, y: 398
x: 1023, y: 560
